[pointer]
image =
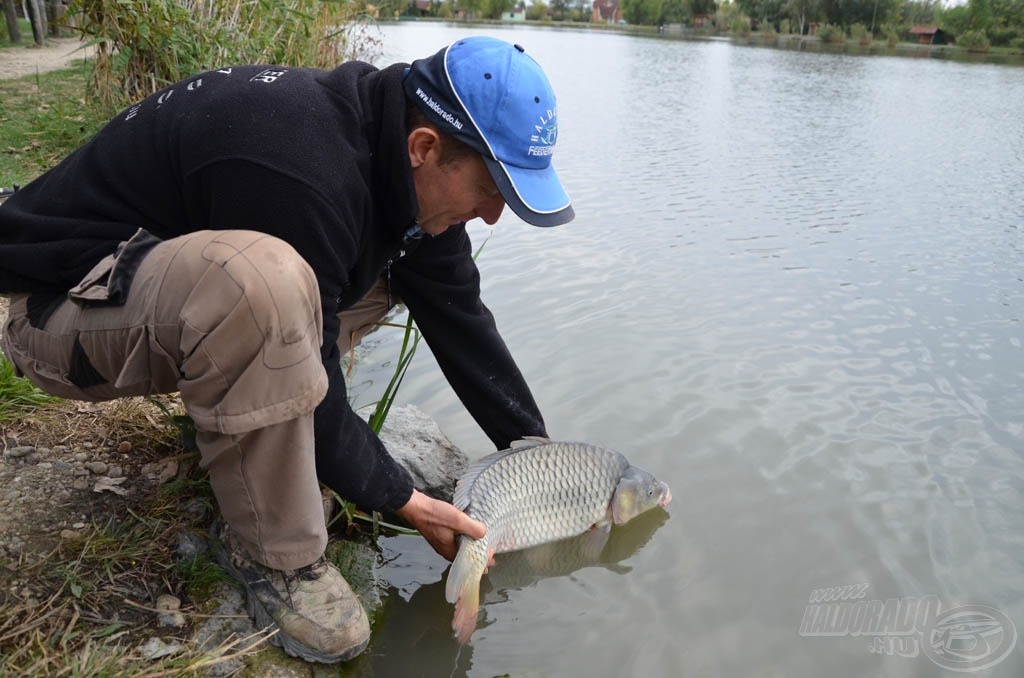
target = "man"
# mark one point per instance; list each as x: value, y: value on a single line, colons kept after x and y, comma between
x: 214, y: 240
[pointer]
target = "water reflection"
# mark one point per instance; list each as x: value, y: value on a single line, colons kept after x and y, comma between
x: 413, y: 636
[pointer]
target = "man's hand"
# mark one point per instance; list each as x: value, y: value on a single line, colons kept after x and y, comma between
x: 439, y: 522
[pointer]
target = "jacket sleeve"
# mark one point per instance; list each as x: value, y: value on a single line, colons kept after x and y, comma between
x: 440, y: 284
x: 350, y: 458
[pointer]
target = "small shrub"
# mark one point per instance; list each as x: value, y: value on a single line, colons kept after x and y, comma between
x: 741, y: 26
x: 892, y: 36
x: 860, y: 34
x: 1018, y: 44
x: 973, y: 41
x: 831, y: 34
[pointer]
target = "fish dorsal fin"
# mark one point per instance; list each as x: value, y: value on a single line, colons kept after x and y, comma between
x: 464, y: 488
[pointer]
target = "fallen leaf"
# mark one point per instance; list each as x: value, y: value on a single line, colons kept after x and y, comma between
x: 106, y: 484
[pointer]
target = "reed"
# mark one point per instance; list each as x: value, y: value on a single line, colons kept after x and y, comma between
x: 143, y: 46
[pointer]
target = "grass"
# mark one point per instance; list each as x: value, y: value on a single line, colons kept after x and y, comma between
x: 26, y: 35
x: 17, y: 395
x: 44, y: 117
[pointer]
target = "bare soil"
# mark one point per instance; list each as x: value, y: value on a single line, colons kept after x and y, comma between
x: 55, y: 54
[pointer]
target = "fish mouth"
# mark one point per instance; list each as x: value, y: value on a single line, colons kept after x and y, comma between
x: 666, y: 496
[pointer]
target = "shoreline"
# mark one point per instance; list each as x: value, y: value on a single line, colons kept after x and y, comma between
x: 785, y: 41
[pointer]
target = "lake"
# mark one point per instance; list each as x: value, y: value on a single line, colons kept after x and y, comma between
x: 794, y: 290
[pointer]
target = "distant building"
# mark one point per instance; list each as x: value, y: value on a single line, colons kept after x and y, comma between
x: 928, y: 35
x: 419, y: 8
x: 701, y: 20
x: 517, y: 13
x: 606, y: 12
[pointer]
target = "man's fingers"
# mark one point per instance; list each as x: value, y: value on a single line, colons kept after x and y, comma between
x: 474, y: 528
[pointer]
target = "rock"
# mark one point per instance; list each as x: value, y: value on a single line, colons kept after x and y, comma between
x: 70, y: 535
x: 155, y: 648
x: 115, y: 471
x: 80, y: 456
x: 227, y: 623
x: 97, y: 467
x: 169, y: 611
x: 80, y: 484
x: 124, y: 448
x: 417, y: 443
x: 20, y: 451
x: 161, y: 471
x: 190, y: 546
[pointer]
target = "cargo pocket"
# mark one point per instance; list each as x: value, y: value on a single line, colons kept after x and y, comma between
x: 107, y: 284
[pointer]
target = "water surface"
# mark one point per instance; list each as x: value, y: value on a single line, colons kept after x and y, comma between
x: 794, y: 290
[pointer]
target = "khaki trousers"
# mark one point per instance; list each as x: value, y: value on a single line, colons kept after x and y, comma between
x: 232, y: 321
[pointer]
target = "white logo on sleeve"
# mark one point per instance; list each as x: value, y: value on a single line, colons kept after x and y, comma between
x: 268, y: 76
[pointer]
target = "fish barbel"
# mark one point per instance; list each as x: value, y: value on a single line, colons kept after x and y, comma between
x: 535, y: 492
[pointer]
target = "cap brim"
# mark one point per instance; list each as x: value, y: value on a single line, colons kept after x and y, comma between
x: 535, y: 195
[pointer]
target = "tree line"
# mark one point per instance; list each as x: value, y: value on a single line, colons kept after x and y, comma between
x: 997, y: 22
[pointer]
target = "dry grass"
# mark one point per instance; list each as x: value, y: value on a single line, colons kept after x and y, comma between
x: 84, y: 607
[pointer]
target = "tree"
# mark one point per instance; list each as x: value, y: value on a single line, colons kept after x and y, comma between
x: 802, y: 12
x: 980, y: 14
x: 643, y: 12
x: 919, y: 12
x: 675, y: 12
x: 765, y: 11
x: 11, y: 17
x: 37, y: 17
x: 702, y: 7
x: 558, y: 9
x: 537, y: 10
x: 493, y: 9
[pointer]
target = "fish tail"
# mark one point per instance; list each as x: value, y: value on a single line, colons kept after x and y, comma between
x: 463, y: 587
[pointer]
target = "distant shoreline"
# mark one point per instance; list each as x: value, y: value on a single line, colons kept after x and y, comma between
x: 786, y: 41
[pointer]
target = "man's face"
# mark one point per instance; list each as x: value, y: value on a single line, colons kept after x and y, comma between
x: 452, y: 193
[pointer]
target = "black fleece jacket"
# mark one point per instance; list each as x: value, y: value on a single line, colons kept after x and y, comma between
x: 316, y: 158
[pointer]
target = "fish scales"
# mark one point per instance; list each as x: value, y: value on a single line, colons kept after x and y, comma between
x: 536, y: 492
x: 543, y: 493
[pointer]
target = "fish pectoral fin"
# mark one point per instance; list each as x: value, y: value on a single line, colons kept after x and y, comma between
x: 592, y: 543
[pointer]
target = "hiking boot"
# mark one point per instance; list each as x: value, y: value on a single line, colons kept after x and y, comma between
x: 318, y: 617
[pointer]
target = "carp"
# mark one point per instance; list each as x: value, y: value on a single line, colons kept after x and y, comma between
x: 535, y: 492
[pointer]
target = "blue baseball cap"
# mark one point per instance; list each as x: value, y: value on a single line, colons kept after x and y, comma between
x: 495, y: 98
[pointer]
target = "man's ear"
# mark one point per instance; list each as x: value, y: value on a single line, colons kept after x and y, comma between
x: 422, y: 141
